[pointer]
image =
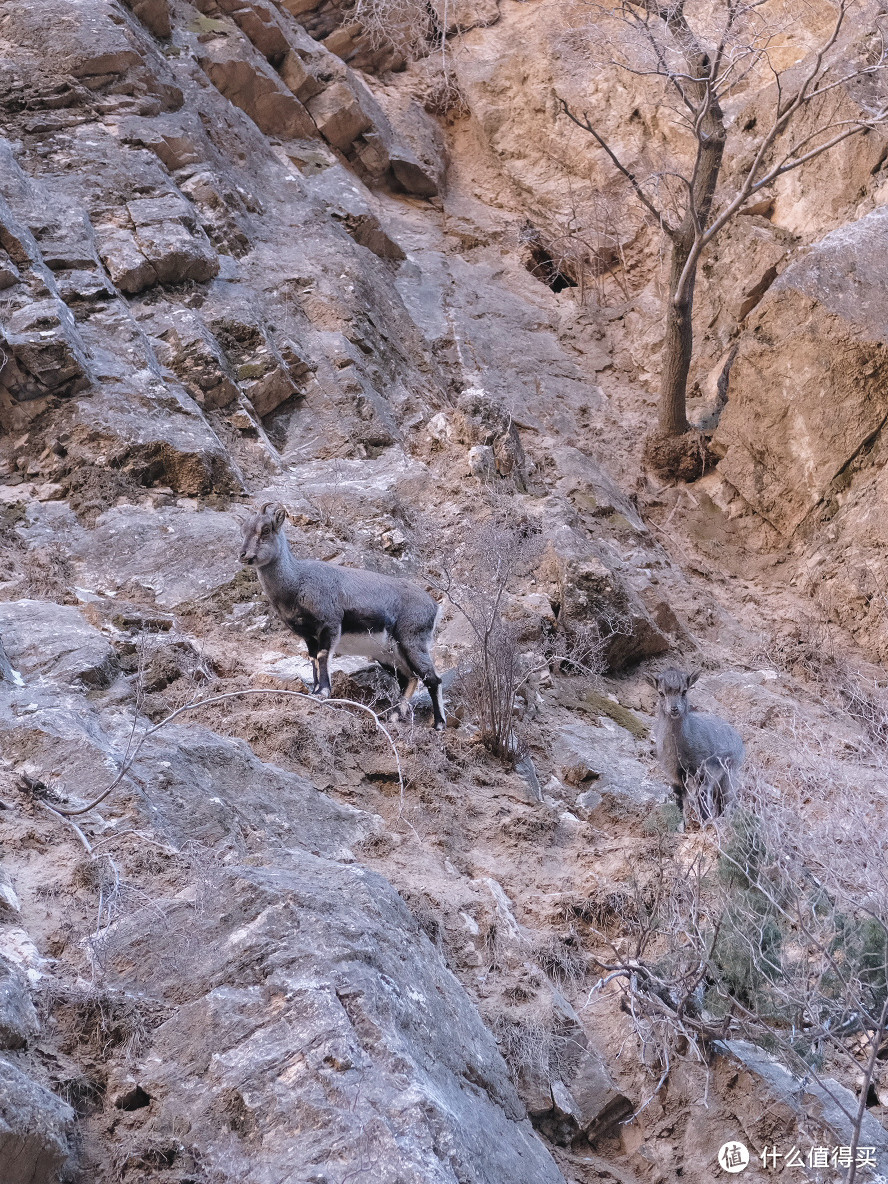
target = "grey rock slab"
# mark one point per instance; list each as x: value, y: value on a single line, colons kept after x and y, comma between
x: 35, y: 1130
x: 317, y: 1008
x: 343, y: 197
x: 177, y: 253
x: 191, y: 784
x: 54, y: 641
x: 847, y: 272
x: 366, y: 480
x: 157, y: 550
x: 591, y: 487
x: 154, y: 432
x: 825, y: 1100
x: 45, y: 353
x: 609, y: 751
x: 599, y: 1102
x: 18, y: 1019
x: 127, y: 264
x: 7, y: 670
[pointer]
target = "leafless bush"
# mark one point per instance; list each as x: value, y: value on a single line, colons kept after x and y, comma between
x: 167, y: 668
x: 562, y: 958
x: 606, y: 912
x: 867, y: 702
x: 531, y: 1047
x: 101, y: 1018
x: 580, y: 647
x: 408, y: 26
x: 803, y: 648
x: 761, y: 934
x: 476, y: 578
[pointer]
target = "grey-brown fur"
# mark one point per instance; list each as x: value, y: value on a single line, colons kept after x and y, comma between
x: 698, y: 752
x: 346, y: 610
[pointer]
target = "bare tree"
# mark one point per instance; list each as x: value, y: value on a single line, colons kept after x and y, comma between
x: 695, y: 57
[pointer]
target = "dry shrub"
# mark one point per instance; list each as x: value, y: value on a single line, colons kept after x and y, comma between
x: 100, y: 1019
x: 867, y: 702
x: 407, y: 26
x: 531, y: 1047
x: 608, y: 912
x: 562, y: 958
x: 168, y: 671
x: 50, y: 573
x: 770, y: 927
x: 92, y: 489
x: 802, y: 648
x: 476, y: 577
x: 440, y: 91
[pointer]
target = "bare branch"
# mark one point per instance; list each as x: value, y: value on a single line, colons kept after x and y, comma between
x: 630, y: 176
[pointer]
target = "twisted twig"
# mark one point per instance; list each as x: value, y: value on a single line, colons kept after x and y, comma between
x: 130, y: 760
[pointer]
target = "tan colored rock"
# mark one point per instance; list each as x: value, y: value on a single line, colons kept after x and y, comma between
x: 338, y: 115
x: 127, y: 265
x: 298, y: 7
x: 299, y: 78
x: 249, y: 83
x: 260, y: 24
x: 154, y: 15
x: 268, y: 392
x: 809, y: 385
x: 344, y: 40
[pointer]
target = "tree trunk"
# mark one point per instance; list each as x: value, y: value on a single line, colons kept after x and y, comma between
x: 710, y: 132
x: 673, y: 418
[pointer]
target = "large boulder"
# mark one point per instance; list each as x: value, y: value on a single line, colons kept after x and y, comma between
x: 143, y: 549
x: 809, y: 385
x: 18, y: 1019
x: 54, y: 641
x: 153, y: 433
x: 312, y: 985
x: 45, y: 354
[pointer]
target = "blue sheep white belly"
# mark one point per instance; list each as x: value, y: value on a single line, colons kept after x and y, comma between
x: 380, y: 647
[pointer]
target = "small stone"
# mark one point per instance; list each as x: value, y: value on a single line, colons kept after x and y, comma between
x: 482, y: 462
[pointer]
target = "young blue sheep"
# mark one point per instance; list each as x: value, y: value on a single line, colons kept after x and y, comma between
x: 698, y: 752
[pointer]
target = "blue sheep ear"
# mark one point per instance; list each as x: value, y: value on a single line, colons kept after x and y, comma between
x: 653, y: 680
x: 691, y: 678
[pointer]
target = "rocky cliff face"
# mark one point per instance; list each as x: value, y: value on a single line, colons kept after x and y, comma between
x: 241, y: 260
